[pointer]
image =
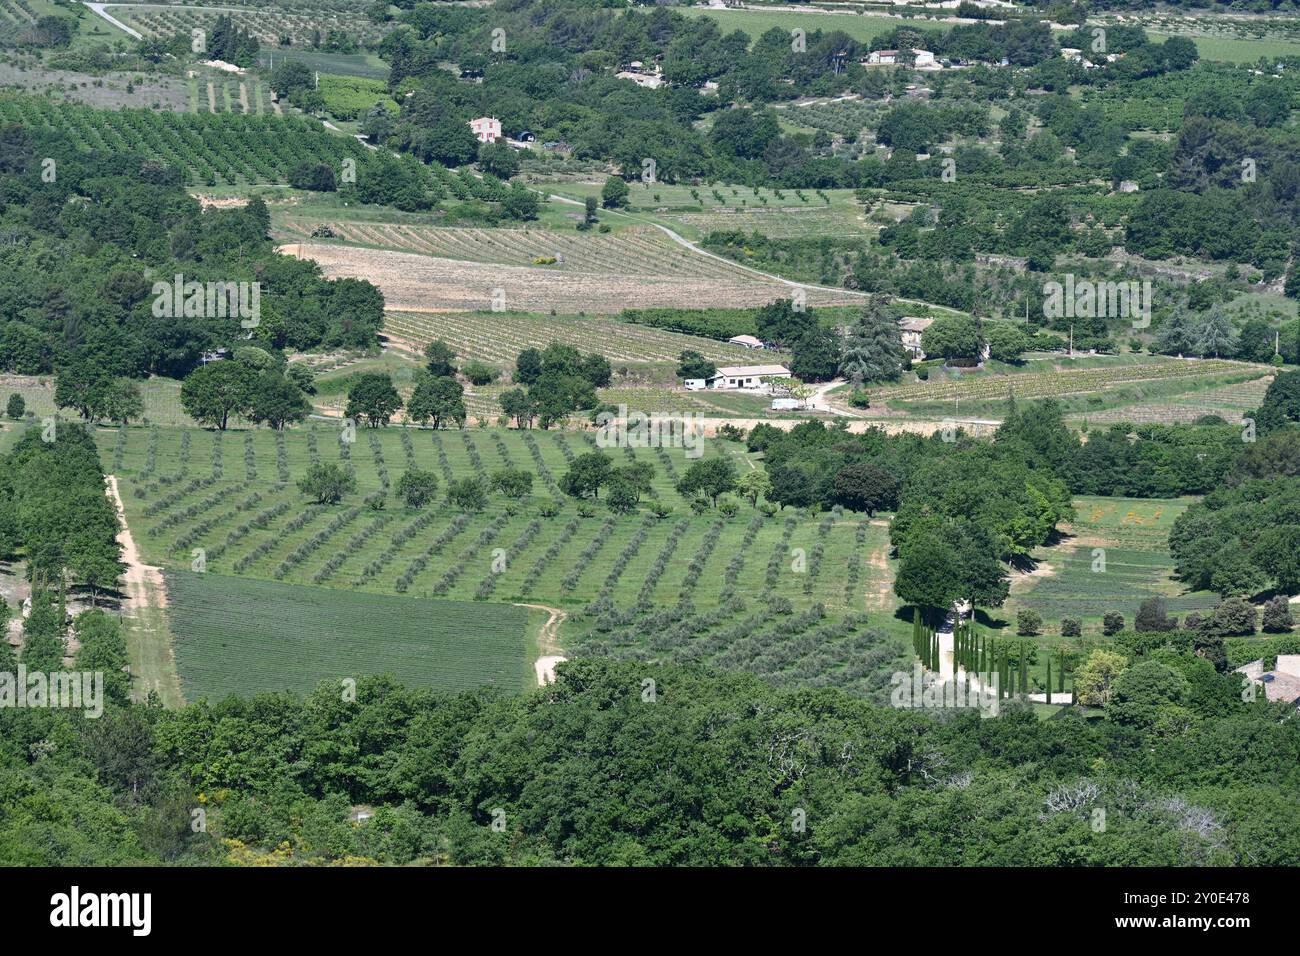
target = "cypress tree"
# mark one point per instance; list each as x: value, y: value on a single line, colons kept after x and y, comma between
x: 1049, y: 680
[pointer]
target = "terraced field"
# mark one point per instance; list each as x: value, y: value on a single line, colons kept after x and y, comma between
x: 641, y: 251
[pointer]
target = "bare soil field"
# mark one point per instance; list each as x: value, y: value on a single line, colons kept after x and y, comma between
x: 423, y: 283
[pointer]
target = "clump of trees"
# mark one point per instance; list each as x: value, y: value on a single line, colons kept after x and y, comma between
x: 558, y: 381
x: 251, y: 385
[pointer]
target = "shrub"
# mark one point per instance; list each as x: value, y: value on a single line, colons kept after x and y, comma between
x: 1277, y: 616
x: 1071, y: 627
x: 731, y: 432
x: 1235, y: 617
x: 327, y: 483
x: 1112, y: 622
x: 417, y: 487
x: 480, y: 373
x: 467, y: 494
x: 1029, y: 623
x: 17, y: 406
x: 1151, y: 617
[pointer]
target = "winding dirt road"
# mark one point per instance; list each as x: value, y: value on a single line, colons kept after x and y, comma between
x: 548, y: 643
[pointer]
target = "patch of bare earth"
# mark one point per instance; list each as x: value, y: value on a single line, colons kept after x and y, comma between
x: 1026, y: 580
x: 419, y: 283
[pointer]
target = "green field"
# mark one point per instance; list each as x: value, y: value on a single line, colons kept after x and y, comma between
x: 1127, y: 387
x: 802, y: 599
x: 1241, y: 50
x: 757, y: 22
x: 865, y: 28
x: 695, y: 211
x: 231, y: 502
x: 344, y: 64
x: 231, y: 147
x: 326, y: 634
x: 1116, y: 556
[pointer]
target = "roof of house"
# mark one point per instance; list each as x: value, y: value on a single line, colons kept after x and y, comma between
x: 748, y: 371
x: 746, y: 340
x: 1283, y: 687
x: 913, y: 324
x: 1288, y: 664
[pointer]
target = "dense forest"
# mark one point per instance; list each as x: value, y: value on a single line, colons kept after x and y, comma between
x: 707, y: 769
x: 85, y: 238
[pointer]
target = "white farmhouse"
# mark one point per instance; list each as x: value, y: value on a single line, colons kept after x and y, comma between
x: 486, y: 128
x: 754, y: 378
x: 882, y: 57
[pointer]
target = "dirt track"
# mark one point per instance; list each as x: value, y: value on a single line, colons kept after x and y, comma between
x: 139, y: 577
x: 547, y: 641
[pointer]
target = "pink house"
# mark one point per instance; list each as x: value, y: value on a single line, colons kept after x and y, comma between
x: 486, y: 128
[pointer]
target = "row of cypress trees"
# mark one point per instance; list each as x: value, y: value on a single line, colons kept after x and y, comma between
x: 986, y: 656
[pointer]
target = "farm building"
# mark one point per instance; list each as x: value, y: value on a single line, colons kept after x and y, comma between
x: 911, y: 328
x: 749, y: 377
x: 882, y: 57
x: 1282, y: 683
x: 637, y: 73
x: 486, y: 128
x: 748, y: 341
x: 925, y: 60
